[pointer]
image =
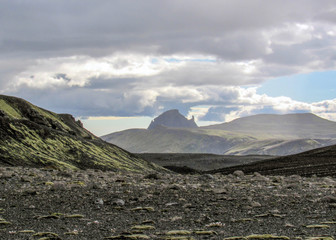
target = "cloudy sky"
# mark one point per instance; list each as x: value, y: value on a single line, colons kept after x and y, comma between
x: 118, y: 63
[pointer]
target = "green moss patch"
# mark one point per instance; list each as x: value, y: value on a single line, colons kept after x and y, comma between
x: 46, y: 236
x: 132, y: 236
x: 74, y: 216
x: 26, y: 231
x: 267, y: 236
x: 235, y: 238
x: 9, y: 110
x: 143, y: 227
x: 329, y: 222
x: 146, y: 209
x: 179, y: 232
x: 203, y: 232
x: 71, y: 233
x: 318, y: 226
x: 319, y: 238
x: 179, y: 238
x: 3, y: 223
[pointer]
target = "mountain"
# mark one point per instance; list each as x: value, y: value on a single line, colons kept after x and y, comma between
x: 259, y: 134
x: 320, y: 162
x: 32, y: 136
x: 172, y: 119
x: 304, y: 125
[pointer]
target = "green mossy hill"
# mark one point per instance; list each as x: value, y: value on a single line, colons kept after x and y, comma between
x: 15, y: 109
x: 32, y: 136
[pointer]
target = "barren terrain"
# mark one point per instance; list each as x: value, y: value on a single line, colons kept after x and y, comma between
x: 92, y: 204
x: 200, y: 161
x: 320, y: 162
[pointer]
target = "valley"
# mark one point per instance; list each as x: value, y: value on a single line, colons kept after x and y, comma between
x: 266, y: 134
x: 59, y: 182
x: 168, y: 120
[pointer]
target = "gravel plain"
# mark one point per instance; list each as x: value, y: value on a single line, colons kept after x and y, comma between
x: 92, y: 204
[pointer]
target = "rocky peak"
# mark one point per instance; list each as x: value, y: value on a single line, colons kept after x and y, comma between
x: 174, y: 119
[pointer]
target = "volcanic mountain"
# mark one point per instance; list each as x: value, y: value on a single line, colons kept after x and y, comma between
x: 266, y: 134
x: 32, y: 136
x: 172, y: 119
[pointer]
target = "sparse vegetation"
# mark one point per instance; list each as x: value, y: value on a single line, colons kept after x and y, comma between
x: 117, y: 205
x: 31, y: 136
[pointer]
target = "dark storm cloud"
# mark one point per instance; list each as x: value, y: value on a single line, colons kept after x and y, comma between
x: 229, y: 29
x: 329, y: 15
x: 101, y: 58
x: 122, y: 84
x: 85, y: 102
x: 172, y: 26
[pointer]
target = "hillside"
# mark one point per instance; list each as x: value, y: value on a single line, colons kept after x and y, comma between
x: 293, y: 126
x: 31, y: 136
x: 173, y: 140
x: 281, y: 135
x: 320, y: 162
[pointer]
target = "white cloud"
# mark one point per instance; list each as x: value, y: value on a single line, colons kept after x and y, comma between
x: 79, y: 70
x: 146, y: 71
x: 114, y: 58
x: 291, y: 33
x: 198, y: 112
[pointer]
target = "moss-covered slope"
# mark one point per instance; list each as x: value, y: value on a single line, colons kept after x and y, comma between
x: 31, y: 136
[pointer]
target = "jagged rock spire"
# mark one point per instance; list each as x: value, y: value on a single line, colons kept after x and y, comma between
x: 173, y: 119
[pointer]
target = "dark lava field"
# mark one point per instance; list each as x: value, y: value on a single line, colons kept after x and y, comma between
x: 50, y: 204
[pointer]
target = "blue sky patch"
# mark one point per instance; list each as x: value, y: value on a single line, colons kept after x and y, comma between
x: 311, y: 87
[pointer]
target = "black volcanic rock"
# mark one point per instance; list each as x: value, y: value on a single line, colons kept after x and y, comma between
x: 320, y: 162
x: 74, y: 205
x: 173, y: 119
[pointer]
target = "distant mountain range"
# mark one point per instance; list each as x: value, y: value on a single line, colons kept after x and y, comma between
x: 292, y: 126
x: 265, y: 134
x: 32, y: 136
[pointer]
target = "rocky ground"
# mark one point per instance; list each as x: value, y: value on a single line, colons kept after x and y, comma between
x: 200, y: 161
x: 319, y: 162
x: 50, y: 204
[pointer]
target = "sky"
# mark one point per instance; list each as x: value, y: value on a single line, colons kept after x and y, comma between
x: 117, y: 64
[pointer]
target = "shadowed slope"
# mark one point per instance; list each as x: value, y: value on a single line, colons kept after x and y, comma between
x: 320, y: 162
